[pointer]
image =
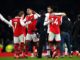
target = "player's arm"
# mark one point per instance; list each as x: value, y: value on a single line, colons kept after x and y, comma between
x: 36, y: 16
x: 47, y: 21
x: 60, y: 13
x: 13, y: 27
x: 10, y: 23
x: 23, y: 22
x: 5, y: 20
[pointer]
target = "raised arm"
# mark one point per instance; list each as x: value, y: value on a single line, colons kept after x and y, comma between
x: 59, y: 13
x: 46, y: 21
x: 5, y: 20
x: 36, y: 16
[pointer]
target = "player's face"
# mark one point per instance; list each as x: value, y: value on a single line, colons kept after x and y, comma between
x: 29, y: 11
x: 49, y: 10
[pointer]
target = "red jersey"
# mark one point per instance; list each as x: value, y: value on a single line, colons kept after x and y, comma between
x: 55, y: 25
x: 32, y: 25
x: 17, y: 28
x: 24, y: 31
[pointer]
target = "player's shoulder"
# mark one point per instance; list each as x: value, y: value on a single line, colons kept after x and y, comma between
x: 46, y: 14
x: 15, y: 19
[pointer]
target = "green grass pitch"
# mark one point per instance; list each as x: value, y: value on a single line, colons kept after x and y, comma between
x: 44, y: 58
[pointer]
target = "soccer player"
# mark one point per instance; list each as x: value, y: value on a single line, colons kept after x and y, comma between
x: 31, y: 28
x: 18, y: 30
x: 53, y: 20
x: 18, y: 34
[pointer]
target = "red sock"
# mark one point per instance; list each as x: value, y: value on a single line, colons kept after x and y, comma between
x: 22, y: 47
x: 35, y: 50
x: 26, y: 49
x: 52, y: 48
x: 16, y: 48
x: 58, y: 52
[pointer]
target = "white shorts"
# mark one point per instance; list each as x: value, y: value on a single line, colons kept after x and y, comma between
x: 53, y: 36
x: 33, y: 37
x: 19, y: 39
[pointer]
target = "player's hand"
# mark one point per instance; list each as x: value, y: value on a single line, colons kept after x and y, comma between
x: 64, y: 14
x: 50, y: 20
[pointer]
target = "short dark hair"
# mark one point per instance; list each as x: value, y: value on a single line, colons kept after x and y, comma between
x: 53, y: 7
x: 50, y: 6
x: 30, y: 8
x: 20, y: 13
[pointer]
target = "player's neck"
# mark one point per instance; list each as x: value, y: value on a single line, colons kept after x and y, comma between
x: 17, y: 17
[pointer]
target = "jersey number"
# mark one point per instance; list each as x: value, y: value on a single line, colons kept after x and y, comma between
x: 55, y: 21
x: 15, y: 25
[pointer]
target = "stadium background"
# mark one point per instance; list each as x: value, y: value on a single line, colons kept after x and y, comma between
x: 71, y: 7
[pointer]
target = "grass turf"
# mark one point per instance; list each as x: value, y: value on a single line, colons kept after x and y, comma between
x: 44, y: 58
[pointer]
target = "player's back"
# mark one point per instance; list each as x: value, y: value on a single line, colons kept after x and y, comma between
x: 17, y: 28
x: 55, y: 25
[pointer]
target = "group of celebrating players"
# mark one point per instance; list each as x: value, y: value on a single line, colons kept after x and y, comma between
x: 22, y: 24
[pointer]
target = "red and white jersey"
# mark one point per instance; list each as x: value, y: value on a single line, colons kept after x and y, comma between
x: 32, y: 26
x: 55, y: 25
x: 17, y: 27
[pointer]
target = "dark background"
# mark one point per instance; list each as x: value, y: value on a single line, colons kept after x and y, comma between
x: 71, y: 7
x: 8, y: 8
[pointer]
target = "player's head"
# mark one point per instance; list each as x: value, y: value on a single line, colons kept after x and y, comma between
x: 29, y: 11
x: 21, y: 13
x: 49, y: 9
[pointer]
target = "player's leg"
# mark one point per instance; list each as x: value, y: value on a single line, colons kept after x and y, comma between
x: 35, y: 38
x: 50, y: 47
x: 27, y: 41
x: 58, y: 40
x: 35, y: 45
x: 22, y: 45
x: 16, y: 47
